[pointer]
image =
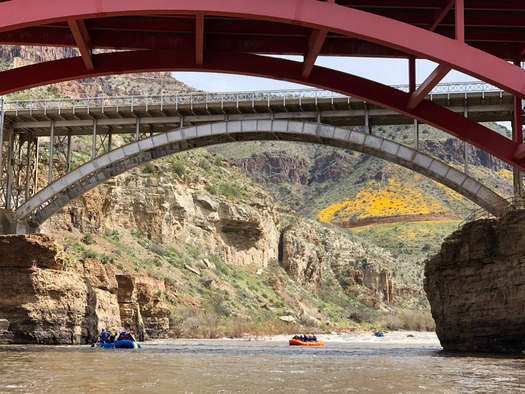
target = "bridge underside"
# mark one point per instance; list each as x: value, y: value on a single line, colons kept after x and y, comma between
x: 481, y: 38
x: 477, y: 37
x: 55, y: 196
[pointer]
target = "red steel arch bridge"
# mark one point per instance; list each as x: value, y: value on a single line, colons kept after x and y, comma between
x: 481, y: 38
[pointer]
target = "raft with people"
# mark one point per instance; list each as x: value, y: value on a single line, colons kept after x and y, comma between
x: 108, y: 340
x: 305, y: 340
x: 123, y: 344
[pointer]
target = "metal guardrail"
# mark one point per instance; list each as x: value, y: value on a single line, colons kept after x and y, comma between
x: 222, y: 98
x: 514, y: 204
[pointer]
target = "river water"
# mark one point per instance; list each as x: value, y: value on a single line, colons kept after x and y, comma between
x: 401, y: 362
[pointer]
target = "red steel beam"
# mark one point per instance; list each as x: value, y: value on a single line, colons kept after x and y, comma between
x: 481, y: 35
x: 474, y: 5
x: 459, y: 12
x: 264, y: 66
x: 199, y: 39
x: 440, y: 15
x: 432, y: 80
x: 428, y: 20
x: 411, y: 74
x: 311, y: 13
x: 81, y: 36
x: 314, y: 48
x: 317, y: 38
x: 517, y: 124
x: 332, y: 46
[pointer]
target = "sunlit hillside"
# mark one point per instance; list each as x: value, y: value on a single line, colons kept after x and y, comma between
x: 386, y: 198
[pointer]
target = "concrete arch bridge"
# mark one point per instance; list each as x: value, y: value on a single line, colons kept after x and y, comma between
x: 161, y: 126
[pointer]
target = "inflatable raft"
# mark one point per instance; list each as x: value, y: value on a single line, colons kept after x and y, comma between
x: 124, y: 343
x: 298, y: 342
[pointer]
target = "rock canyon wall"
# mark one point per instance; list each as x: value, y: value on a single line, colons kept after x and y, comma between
x: 476, y: 286
x: 48, y: 301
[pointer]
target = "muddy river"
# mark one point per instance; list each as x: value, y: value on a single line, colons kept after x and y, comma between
x: 398, y: 363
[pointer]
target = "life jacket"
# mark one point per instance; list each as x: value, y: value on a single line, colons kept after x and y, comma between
x: 103, y: 336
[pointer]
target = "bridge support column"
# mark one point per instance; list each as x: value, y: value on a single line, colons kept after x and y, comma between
x: 94, y: 140
x: 51, y: 150
x: 68, y: 166
x: 466, y: 145
x: 517, y: 136
x: 416, y: 134
x: 519, y: 193
x: 8, y: 226
x: 368, y: 124
x: 10, y: 163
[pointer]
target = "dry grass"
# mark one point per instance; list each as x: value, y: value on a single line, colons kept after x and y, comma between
x: 410, y: 320
x: 186, y: 323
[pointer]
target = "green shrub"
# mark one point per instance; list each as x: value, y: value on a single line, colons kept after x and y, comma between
x: 157, y: 249
x: 149, y: 168
x: 106, y: 259
x: 113, y: 234
x: 179, y: 168
x: 90, y: 254
x: 144, y: 242
x: 88, y: 239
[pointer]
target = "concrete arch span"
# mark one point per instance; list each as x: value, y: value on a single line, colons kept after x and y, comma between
x: 56, y: 195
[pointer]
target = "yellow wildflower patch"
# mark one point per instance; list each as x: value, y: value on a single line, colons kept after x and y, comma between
x: 392, y: 198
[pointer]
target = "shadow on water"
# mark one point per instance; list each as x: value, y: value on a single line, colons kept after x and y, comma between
x: 481, y: 355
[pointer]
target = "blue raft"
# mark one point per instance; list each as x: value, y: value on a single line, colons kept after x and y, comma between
x: 123, y: 343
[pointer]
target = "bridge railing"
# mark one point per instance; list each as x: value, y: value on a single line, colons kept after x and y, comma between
x: 513, y: 204
x: 214, y: 98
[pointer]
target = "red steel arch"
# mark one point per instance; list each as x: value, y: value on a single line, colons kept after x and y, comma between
x: 226, y: 35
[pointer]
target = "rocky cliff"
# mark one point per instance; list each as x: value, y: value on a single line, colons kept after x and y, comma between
x: 179, y: 210
x: 276, y: 169
x: 49, y: 300
x: 452, y: 150
x: 111, y: 85
x: 476, y: 286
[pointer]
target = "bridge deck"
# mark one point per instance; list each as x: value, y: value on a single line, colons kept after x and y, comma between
x: 120, y: 115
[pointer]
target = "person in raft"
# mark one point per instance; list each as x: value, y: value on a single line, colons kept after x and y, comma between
x: 122, y: 336
x: 104, y: 335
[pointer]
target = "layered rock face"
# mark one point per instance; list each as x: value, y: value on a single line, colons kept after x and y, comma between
x: 305, y: 251
x: 302, y: 257
x: 45, y: 300
x: 276, y: 169
x: 476, y: 286
x: 246, y: 236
